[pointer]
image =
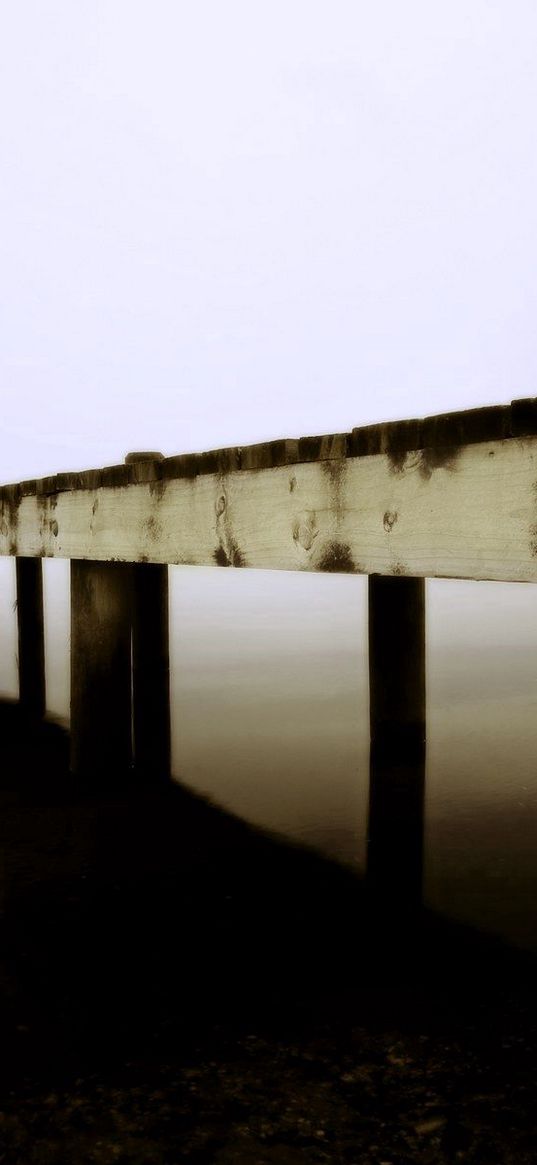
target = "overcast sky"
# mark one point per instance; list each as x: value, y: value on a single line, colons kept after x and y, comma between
x: 227, y: 221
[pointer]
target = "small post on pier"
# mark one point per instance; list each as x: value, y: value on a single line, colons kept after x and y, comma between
x: 150, y: 653
x: 101, y: 735
x: 397, y: 725
x: 31, y: 638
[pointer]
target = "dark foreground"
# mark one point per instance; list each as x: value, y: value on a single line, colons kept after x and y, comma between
x: 175, y: 987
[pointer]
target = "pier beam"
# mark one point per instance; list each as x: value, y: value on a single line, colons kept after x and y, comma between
x: 101, y: 705
x: 31, y: 639
x: 397, y: 728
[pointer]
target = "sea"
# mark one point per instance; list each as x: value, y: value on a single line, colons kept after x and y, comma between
x: 269, y: 698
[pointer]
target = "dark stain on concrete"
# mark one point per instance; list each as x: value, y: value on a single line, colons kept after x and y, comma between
x: 231, y: 557
x: 157, y: 489
x: 439, y: 457
x: 398, y: 568
x: 292, y: 484
x: 397, y: 459
x: 236, y: 555
x: 42, y: 506
x: 334, y: 469
x: 337, y: 559
x: 47, y: 524
x: 533, y: 540
x: 153, y: 528
x: 228, y: 552
x: 389, y: 520
x: 10, y: 515
x: 305, y: 530
x: 220, y: 556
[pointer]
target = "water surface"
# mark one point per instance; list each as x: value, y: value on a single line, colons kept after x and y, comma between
x: 270, y: 719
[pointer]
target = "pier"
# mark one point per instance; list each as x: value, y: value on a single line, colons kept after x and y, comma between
x: 449, y: 496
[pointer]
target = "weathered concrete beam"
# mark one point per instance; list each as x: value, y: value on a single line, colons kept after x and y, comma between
x: 363, y: 503
x: 467, y: 512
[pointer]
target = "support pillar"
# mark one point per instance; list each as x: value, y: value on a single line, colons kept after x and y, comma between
x: 101, y: 705
x: 150, y: 650
x: 31, y: 638
x: 397, y: 727
x: 151, y: 671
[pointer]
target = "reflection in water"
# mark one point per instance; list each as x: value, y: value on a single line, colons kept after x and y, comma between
x: 270, y: 719
x: 270, y: 701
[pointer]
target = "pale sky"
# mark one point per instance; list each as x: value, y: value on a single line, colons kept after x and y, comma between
x: 224, y: 222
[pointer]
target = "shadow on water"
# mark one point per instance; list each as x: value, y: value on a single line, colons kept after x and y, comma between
x: 137, y: 924
x: 126, y: 912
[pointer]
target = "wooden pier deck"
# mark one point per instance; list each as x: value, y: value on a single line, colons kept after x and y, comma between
x: 446, y: 496
x: 175, y: 986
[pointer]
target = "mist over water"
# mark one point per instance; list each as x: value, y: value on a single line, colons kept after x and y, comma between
x: 270, y: 718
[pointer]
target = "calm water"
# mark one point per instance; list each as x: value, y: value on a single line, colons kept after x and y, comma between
x: 270, y: 718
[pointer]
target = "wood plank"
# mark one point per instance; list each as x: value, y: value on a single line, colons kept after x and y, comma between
x: 101, y: 730
x: 31, y: 637
x: 397, y: 727
x: 459, y: 512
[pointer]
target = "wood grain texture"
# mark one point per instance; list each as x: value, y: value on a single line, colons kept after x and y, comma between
x: 459, y: 512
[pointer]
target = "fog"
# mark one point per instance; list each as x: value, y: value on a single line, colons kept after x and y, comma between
x: 229, y: 223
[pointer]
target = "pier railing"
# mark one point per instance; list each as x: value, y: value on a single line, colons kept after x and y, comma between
x: 450, y: 496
